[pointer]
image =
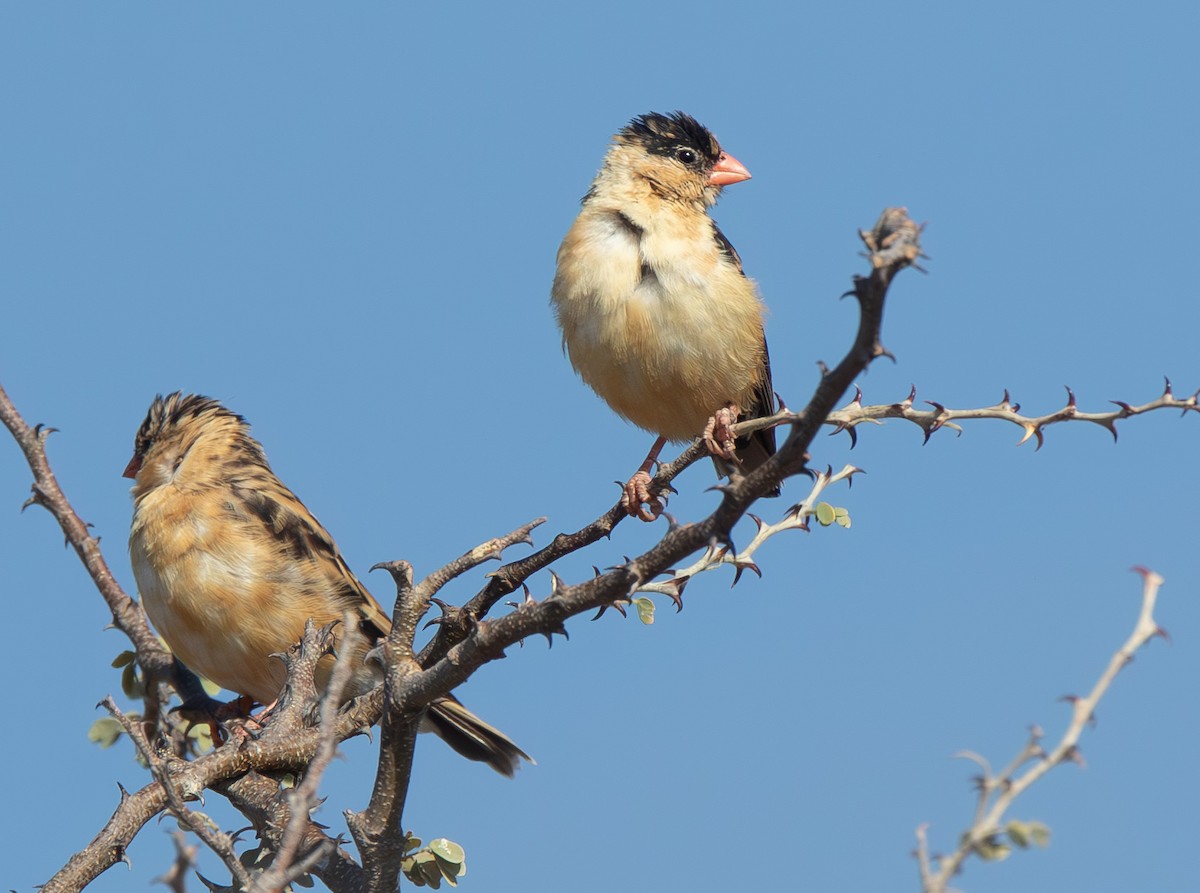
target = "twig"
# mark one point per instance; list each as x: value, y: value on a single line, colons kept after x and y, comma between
x: 893, y: 245
x: 997, y: 792
x: 198, y: 823
x: 855, y: 414
x: 302, y: 798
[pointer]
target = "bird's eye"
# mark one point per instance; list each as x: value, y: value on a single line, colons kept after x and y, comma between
x: 686, y: 155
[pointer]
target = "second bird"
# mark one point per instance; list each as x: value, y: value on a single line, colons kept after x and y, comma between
x: 656, y: 313
x: 230, y: 565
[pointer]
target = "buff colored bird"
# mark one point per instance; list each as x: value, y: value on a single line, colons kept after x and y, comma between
x: 656, y: 313
x: 230, y: 564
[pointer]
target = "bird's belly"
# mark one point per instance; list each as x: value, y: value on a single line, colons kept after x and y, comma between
x: 197, y: 600
x: 667, y: 364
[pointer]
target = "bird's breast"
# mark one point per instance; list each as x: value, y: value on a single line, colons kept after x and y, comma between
x: 217, y: 593
x: 658, y: 325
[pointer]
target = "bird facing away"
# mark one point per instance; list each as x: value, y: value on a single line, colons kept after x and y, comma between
x: 656, y: 313
x: 230, y: 565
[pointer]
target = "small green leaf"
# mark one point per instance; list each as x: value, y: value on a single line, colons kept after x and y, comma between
x: 427, y: 865
x: 125, y: 657
x: 825, y: 514
x: 842, y: 517
x: 1039, y: 834
x: 448, y: 850
x: 645, y: 609
x: 409, y: 866
x: 131, y: 684
x: 202, y: 736
x: 411, y: 843
x: 210, y: 687
x: 1018, y: 833
x: 105, y: 731
x: 993, y: 850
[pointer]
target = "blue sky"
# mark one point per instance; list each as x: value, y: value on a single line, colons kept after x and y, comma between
x: 343, y: 224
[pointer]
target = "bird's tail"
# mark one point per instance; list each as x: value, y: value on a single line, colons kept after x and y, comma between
x: 472, y: 737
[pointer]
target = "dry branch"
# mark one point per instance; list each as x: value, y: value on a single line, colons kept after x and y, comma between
x: 996, y: 792
x: 288, y: 743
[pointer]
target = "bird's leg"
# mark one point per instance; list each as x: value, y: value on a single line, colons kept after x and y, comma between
x: 637, y: 488
x: 200, y: 709
x: 717, y: 434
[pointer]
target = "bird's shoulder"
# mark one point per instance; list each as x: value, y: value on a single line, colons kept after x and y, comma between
x: 294, y: 533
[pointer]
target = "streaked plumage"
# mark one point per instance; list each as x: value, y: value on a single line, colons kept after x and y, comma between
x: 656, y: 313
x: 230, y: 564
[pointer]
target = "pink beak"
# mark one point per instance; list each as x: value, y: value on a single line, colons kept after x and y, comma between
x: 728, y: 170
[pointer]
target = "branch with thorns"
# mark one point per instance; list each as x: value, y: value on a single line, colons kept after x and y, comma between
x: 998, y: 791
x: 465, y: 639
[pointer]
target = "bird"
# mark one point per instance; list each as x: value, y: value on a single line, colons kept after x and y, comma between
x: 230, y: 564
x: 657, y: 315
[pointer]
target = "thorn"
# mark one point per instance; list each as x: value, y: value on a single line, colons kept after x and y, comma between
x: 561, y: 630
x: 857, y: 401
x: 912, y: 395
x: 779, y: 402
x: 401, y: 572
x: 672, y: 523
x: 821, y: 363
x: 758, y: 522
x: 726, y: 540
x: 1166, y: 387
x: 555, y: 583
x: 744, y: 566
x: 1145, y: 572
x: 1162, y: 634
x: 597, y: 570
x: 881, y: 351
x: 1070, y: 398
x: 1004, y: 403
x: 677, y: 598
x: 1126, y: 409
x: 619, y: 605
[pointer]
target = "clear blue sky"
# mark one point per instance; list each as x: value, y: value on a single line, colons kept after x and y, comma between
x: 343, y: 224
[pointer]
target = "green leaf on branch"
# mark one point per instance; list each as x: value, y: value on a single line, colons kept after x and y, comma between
x: 105, y: 731
x: 645, y: 609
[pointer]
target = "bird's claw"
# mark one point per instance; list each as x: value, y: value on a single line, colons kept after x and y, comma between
x: 718, y: 433
x: 638, y: 500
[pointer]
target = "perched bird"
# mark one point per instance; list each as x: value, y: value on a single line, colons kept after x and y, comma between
x: 230, y: 564
x: 656, y: 313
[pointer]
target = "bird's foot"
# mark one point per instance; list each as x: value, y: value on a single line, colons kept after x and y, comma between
x: 638, y: 500
x: 219, y: 716
x: 718, y: 433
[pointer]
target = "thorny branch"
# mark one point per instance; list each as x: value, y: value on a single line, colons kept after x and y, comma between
x: 854, y: 414
x: 997, y: 792
x: 289, y: 863
x: 242, y: 770
x: 246, y: 770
